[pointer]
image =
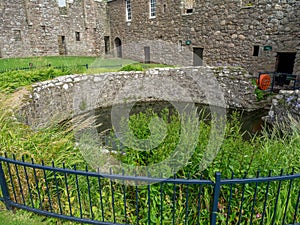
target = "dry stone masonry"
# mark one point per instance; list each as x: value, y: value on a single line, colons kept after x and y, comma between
x: 66, y: 96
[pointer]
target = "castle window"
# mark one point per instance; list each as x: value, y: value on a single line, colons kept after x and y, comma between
x: 152, y: 8
x: 62, y: 3
x: 17, y: 35
x: 188, y: 6
x: 77, y: 36
x: 255, y: 50
x: 128, y: 10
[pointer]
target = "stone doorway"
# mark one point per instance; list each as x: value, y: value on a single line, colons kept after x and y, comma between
x: 285, y: 62
x: 62, y: 47
x: 197, y: 56
x: 118, y: 45
x: 107, y: 44
x: 147, y: 54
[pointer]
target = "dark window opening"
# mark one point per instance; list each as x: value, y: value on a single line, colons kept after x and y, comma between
x: 165, y: 8
x: 255, y: 50
x: 189, y: 11
x: 17, y: 35
x: 77, y: 36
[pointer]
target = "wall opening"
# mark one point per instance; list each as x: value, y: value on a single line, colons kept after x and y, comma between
x: 118, y: 45
x: 147, y: 54
x: 198, y: 56
x: 106, y: 44
x: 62, y: 47
x: 255, y: 50
x: 17, y: 35
x: 285, y: 62
x: 77, y: 36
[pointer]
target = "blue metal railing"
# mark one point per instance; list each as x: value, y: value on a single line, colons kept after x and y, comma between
x: 93, y: 198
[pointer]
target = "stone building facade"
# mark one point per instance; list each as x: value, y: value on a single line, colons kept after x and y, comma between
x: 259, y: 35
x: 50, y: 27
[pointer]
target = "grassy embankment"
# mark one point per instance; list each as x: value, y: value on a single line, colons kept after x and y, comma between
x: 272, y: 150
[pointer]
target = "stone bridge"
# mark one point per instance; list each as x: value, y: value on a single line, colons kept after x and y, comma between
x: 62, y: 97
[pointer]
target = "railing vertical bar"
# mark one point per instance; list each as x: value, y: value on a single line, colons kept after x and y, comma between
x: 112, y: 197
x: 288, y: 198
x: 19, y: 182
x: 296, y: 208
x: 47, y: 188
x: 57, y: 190
x: 200, y: 187
x: 229, y: 200
x: 4, y: 188
x: 277, y: 197
x: 187, y: 202
x: 67, y: 189
x: 136, y: 202
x: 149, y: 203
x: 89, y: 193
x: 37, y: 184
x: 101, y: 200
x: 242, y: 201
x: 266, y: 199
x: 11, y: 180
x: 78, y: 192
x: 124, y: 199
x: 161, y: 203
x: 174, y: 201
x: 28, y: 185
x: 254, y: 199
x: 217, y: 188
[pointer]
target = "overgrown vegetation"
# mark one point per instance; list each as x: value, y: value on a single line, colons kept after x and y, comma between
x: 270, y: 151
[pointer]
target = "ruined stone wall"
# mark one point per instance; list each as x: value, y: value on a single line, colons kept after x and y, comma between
x: 63, y: 97
x: 227, y: 31
x: 35, y: 27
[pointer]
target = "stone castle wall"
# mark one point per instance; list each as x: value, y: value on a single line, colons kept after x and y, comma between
x: 63, y: 97
x: 227, y: 32
x: 37, y: 28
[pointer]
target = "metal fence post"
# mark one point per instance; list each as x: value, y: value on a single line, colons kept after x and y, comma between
x: 4, y: 188
x: 217, y: 189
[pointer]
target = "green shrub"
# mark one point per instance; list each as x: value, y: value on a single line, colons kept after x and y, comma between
x: 132, y: 67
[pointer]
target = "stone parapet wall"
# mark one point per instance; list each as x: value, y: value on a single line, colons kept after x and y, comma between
x: 65, y: 96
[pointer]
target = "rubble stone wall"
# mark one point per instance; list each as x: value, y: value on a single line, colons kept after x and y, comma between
x: 226, y: 30
x: 65, y: 96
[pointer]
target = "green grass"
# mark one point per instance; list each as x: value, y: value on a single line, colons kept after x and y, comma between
x: 22, y: 217
x: 11, y: 80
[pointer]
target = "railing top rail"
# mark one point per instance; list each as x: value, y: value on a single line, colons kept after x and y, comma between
x: 174, y: 180
x: 106, y: 175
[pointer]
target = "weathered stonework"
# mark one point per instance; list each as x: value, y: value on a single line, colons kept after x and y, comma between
x: 65, y: 96
x: 226, y: 30
x: 38, y: 28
